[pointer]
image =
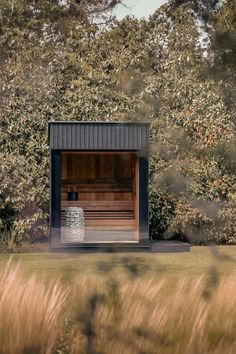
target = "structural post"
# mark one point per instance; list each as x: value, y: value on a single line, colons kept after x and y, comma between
x: 143, y: 200
x: 55, y: 221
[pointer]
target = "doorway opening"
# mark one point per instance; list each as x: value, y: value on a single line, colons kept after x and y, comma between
x: 104, y: 185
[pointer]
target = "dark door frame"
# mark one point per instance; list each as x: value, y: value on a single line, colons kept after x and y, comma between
x: 55, y: 203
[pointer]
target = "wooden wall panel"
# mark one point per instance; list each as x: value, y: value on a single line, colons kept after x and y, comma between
x: 94, y: 166
x: 99, y: 195
x: 69, y: 166
x: 123, y: 196
x: 75, y: 166
x: 63, y: 167
x: 100, y: 178
x: 107, y: 166
x: 91, y: 166
x: 124, y: 166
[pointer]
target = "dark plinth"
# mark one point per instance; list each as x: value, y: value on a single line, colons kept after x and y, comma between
x: 168, y: 246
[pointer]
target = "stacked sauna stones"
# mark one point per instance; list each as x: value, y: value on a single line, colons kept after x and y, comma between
x: 74, y: 224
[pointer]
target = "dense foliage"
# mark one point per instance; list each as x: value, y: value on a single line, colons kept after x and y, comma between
x: 176, y: 71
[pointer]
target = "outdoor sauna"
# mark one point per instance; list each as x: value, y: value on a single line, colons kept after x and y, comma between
x: 98, y: 184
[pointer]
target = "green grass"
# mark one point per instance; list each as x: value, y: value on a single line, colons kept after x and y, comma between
x: 65, y: 265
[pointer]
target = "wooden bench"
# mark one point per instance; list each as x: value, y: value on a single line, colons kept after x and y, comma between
x: 104, y: 214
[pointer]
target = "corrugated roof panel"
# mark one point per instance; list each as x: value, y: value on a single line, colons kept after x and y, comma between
x: 98, y: 135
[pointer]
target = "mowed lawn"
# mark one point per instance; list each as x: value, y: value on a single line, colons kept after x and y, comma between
x: 199, y: 261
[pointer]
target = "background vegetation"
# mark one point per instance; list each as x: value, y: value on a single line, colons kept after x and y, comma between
x: 175, y: 70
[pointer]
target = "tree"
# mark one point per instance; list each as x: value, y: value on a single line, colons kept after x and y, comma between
x: 158, y: 71
x: 37, y: 42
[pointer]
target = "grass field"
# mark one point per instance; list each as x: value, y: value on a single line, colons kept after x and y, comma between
x: 124, y: 303
x: 66, y: 265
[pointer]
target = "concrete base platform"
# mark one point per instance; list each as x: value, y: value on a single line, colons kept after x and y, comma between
x: 162, y: 246
x: 169, y: 246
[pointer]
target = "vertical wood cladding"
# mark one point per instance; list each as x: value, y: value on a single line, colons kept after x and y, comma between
x: 94, y: 174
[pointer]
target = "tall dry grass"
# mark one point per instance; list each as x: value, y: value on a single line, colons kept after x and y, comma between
x: 29, y: 313
x: 150, y: 317
x: 121, y: 316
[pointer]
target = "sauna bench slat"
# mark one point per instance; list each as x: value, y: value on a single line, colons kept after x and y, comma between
x: 98, y: 189
x: 99, y: 205
x: 105, y: 215
x: 98, y: 182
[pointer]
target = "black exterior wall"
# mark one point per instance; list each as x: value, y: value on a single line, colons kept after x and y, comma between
x: 55, y: 197
x: 143, y: 200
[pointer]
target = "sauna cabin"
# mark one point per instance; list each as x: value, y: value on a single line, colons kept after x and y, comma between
x: 99, y: 170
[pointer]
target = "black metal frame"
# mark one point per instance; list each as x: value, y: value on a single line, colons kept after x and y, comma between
x: 55, y: 206
x: 143, y: 200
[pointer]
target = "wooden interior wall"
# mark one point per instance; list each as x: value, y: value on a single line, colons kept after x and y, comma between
x: 107, y: 188
x: 98, y: 177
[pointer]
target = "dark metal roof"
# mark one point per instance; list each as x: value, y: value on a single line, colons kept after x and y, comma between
x: 98, y: 135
